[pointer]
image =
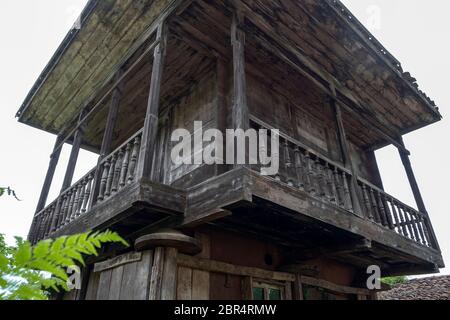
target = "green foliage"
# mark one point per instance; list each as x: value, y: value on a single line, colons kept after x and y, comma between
x: 28, y: 272
x: 392, y: 281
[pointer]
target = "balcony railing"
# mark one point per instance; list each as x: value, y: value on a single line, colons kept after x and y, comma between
x: 300, y: 167
x: 324, y: 179
x: 114, y: 172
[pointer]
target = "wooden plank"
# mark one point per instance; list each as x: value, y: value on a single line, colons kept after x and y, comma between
x: 128, y: 281
x: 200, y: 285
x: 169, y: 279
x: 156, y: 276
x: 94, y: 279
x: 116, y: 283
x: 247, y: 288
x: 298, y: 288
x: 184, y: 285
x: 103, y: 285
x: 118, y: 261
x: 142, y: 276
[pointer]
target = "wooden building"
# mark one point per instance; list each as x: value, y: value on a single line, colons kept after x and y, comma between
x: 137, y: 70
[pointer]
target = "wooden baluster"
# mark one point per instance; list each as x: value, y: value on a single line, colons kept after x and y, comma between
x: 282, y: 163
x: 381, y: 209
x: 321, y: 184
x: 310, y: 174
x: 418, y: 224
x: 403, y: 220
x: 60, y: 220
x: 42, y: 226
x: 87, y: 193
x: 414, y: 225
x: 289, y: 164
x: 299, y: 168
x: 103, y: 181
x: 407, y: 221
x: 425, y: 230
x: 81, y: 190
x: 339, y: 188
x: 50, y: 218
x: 134, y: 159
x: 347, y: 198
x: 117, y: 170
x: 388, y: 212
x: 125, y: 163
x: 398, y: 222
x: 331, y: 184
x: 71, y: 206
x: 66, y: 207
x: 109, y: 180
x: 375, y: 211
x: 367, y: 202
x: 76, y: 201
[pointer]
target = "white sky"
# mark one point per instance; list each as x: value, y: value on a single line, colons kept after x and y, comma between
x: 414, y: 31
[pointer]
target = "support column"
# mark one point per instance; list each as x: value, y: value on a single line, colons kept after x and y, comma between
x: 77, y: 139
x: 54, y: 158
x: 105, y: 149
x: 150, y: 131
x: 345, y: 149
x: 112, y: 118
x: 240, y: 108
x: 416, y: 192
x: 166, y: 244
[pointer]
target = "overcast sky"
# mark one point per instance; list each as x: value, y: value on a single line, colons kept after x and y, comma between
x: 414, y: 31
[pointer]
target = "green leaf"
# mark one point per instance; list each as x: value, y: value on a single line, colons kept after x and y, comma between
x: 23, y: 254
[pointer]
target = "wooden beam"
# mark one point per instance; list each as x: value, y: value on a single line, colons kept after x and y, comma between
x: 77, y: 139
x: 152, y: 116
x: 240, y: 108
x: 227, y: 268
x: 418, y: 195
x: 112, y: 116
x: 54, y: 158
x: 345, y: 150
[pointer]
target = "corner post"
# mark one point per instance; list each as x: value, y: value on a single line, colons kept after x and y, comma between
x: 54, y: 159
x: 240, y: 107
x: 150, y: 131
x: 108, y: 134
x: 416, y: 192
x: 77, y: 139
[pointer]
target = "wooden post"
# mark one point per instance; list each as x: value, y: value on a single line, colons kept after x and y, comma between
x: 77, y: 139
x: 345, y: 149
x: 152, y: 116
x: 417, y: 194
x: 108, y: 134
x: 240, y: 108
x: 112, y: 117
x: 54, y: 158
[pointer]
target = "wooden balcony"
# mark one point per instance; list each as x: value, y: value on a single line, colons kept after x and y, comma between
x: 311, y: 202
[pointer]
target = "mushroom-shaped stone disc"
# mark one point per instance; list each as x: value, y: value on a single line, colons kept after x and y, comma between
x: 169, y: 238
